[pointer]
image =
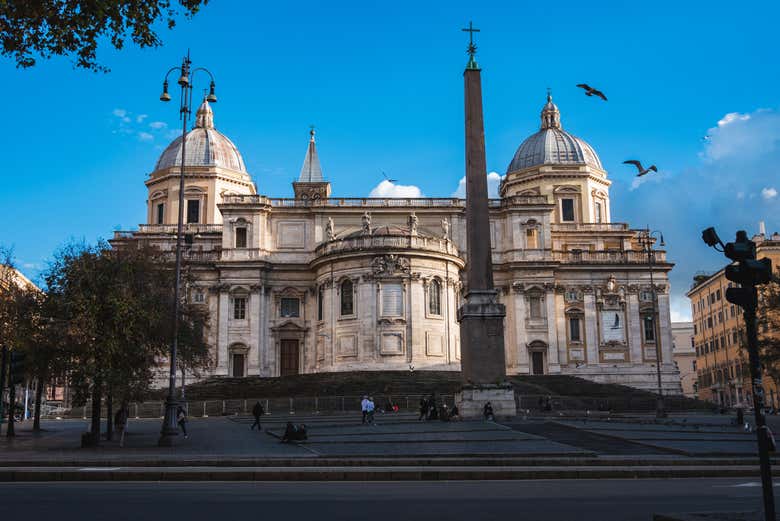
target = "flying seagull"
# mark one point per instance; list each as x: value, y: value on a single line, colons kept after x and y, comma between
x: 590, y: 91
x: 390, y: 180
x: 642, y: 170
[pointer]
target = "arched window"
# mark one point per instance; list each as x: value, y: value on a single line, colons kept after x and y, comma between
x: 347, y: 298
x: 434, y: 297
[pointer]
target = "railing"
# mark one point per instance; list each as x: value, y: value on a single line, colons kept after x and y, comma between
x: 201, y: 256
x: 242, y: 254
x: 188, y: 228
x: 606, y: 257
x: 285, y: 406
x: 384, y: 241
x: 379, y: 202
x: 589, y: 227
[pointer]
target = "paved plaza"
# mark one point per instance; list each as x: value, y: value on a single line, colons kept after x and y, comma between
x: 394, y: 436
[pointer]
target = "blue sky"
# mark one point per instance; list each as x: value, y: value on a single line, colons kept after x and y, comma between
x: 383, y: 84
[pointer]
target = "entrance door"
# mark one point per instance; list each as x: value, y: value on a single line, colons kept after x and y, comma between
x: 289, y: 358
x: 537, y: 362
x: 238, y: 365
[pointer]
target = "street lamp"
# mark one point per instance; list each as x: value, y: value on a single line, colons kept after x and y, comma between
x: 646, y: 239
x: 169, y: 427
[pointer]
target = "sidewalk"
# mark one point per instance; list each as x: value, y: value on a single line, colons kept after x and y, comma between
x: 396, y: 447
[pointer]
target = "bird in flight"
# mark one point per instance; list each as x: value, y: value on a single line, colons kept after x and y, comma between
x: 388, y: 179
x: 590, y: 91
x: 642, y: 170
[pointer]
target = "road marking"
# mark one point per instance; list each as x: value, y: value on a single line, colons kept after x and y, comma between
x: 752, y: 484
x: 93, y: 469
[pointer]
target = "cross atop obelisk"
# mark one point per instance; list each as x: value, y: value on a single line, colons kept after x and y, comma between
x: 472, y: 49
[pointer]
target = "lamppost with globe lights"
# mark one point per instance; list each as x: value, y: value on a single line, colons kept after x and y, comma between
x: 169, y: 427
x: 646, y: 239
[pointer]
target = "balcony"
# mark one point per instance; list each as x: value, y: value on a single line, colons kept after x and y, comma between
x: 244, y: 254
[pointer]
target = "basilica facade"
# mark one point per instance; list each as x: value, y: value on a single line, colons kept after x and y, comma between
x: 320, y: 283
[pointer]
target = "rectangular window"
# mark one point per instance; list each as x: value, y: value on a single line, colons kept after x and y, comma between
x: 574, y: 329
x: 198, y: 297
x: 530, y: 239
x: 320, y: 302
x: 649, y: 324
x: 598, y: 212
x: 695, y: 330
x: 733, y: 311
x: 193, y: 211
x: 241, y: 237
x: 717, y: 295
x: 290, y: 308
x: 392, y: 299
x: 709, y: 322
x: 720, y: 317
x: 160, y: 213
x: 535, y: 306
x: 239, y: 308
x: 567, y: 210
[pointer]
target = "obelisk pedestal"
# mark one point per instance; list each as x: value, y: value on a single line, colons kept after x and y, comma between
x: 483, y: 362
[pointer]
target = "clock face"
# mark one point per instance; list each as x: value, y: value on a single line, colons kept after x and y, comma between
x: 612, y: 329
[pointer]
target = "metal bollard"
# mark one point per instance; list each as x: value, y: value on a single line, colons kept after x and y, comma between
x: 292, y: 409
x: 223, y: 407
x: 204, y: 410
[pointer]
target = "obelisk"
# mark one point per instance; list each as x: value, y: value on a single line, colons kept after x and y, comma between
x: 483, y: 363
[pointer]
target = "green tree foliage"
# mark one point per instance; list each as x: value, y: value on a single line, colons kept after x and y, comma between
x: 46, y: 28
x: 768, y: 315
x: 117, y: 304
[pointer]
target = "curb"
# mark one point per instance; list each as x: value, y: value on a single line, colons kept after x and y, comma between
x: 364, y: 474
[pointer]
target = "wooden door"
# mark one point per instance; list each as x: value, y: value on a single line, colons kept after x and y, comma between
x: 537, y: 360
x: 289, y: 357
x: 238, y: 365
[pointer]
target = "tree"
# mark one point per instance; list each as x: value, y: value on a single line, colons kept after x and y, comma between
x: 117, y: 304
x: 768, y: 315
x: 46, y: 28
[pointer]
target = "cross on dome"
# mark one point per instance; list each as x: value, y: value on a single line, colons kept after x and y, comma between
x: 204, y: 116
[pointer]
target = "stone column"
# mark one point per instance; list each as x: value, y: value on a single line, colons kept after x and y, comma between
x: 222, y: 332
x: 634, y: 322
x: 553, y: 361
x: 560, y: 327
x: 520, y: 334
x: 255, y: 319
x: 591, y: 328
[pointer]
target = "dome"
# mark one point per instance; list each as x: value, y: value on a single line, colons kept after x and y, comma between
x: 205, y: 146
x: 553, y: 145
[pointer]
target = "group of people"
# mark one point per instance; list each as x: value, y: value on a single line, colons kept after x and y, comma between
x: 430, y: 411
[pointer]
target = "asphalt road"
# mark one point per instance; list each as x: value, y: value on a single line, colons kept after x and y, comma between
x: 547, y: 500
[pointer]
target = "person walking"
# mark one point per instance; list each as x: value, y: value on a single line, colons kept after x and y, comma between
x: 181, y: 419
x: 423, y: 408
x: 370, y: 406
x: 257, y: 412
x: 120, y: 422
x: 364, y: 408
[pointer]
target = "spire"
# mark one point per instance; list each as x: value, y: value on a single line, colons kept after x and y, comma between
x: 204, y: 117
x: 551, y: 116
x: 311, y: 172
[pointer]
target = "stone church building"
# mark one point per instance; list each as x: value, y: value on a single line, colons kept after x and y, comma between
x: 321, y: 283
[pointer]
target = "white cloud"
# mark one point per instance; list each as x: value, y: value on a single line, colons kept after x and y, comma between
x: 493, y: 180
x: 158, y: 124
x: 145, y: 136
x: 141, y: 117
x: 732, y: 117
x: 120, y: 113
x: 743, y: 136
x: 768, y: 193
x: 388, y: 189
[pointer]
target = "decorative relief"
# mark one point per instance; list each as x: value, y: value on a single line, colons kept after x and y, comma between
x: 347, y: 345
x: 413, y: 222
x: 434, y: 344
x: 389, y: 265
x: 366, y: 223
x: 330, y: 234
x: 392, y: 344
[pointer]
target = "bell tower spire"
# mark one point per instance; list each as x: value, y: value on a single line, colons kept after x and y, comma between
x: 311, y: 184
